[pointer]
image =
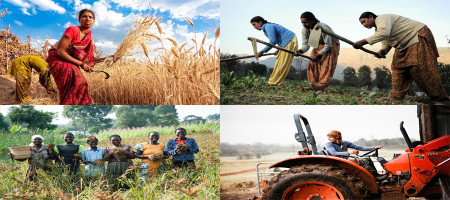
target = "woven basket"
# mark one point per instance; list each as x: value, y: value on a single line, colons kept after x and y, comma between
x: 21, y: 152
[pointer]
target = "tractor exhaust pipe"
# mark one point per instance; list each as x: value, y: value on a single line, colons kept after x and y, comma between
x: 405, y: 136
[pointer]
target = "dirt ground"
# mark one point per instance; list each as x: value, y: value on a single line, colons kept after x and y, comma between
x: 238, y: 178
x: 38, y: 93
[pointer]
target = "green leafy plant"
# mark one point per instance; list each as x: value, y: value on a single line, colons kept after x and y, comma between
x: 227, y: 79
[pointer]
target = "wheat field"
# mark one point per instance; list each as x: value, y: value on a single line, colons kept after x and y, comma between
x: 175, y: 74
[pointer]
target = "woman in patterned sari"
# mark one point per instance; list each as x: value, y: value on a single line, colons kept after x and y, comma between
x: 74, y: 50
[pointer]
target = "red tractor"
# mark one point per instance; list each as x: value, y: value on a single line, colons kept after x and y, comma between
x: 422, y: 172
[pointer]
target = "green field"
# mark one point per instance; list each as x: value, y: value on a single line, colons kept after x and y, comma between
x: 253, y: 90
x: 171, y: 183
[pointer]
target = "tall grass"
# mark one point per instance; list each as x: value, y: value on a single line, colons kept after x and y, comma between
x: 206, y: 128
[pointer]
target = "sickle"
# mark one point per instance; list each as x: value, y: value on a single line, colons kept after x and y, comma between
x: 107, y: 75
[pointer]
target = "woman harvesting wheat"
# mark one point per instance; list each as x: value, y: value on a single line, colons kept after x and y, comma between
x: 74, y: 50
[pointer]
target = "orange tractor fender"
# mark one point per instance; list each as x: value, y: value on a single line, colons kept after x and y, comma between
x: 350, y: 166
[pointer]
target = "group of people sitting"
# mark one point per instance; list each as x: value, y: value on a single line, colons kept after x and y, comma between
x: 118, y: 155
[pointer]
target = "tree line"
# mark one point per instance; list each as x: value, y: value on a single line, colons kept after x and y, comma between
x: 94, y: 118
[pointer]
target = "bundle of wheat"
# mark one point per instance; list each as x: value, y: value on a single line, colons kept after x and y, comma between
x: 156, y: 157
x: 99, y: 162
x: 118, y: 153
x: 50, y: 146
x: 181, y: 147
x: 139, y: 34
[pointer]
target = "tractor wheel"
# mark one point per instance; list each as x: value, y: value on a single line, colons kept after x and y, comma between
x: 314, y: 182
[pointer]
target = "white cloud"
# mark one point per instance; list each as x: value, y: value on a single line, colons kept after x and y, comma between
x: 77, y: 3
x: 190, y: 9
x: 106, y: 44
x: 106, y: 47
x: 53, y: 41
x: 106, y: 18
x: 18, y: 23
x: 44, y: 5
x: 37, y: 44
x: 68, y: 24
x: 24, y: 11
x: 138, y: 5
x: 20, y: 3
x: 182, y: 30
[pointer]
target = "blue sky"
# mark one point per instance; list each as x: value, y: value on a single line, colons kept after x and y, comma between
x: 341, y: 16
x: 39, y: 18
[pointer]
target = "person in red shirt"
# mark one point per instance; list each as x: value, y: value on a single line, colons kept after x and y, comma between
x: 73, y: 51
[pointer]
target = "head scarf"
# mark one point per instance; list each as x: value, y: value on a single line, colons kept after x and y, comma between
x: 36, y: 136
x: 337, y: 135
x: 91, y: 138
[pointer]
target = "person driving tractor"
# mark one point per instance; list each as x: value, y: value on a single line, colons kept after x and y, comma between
x: 337, y: 147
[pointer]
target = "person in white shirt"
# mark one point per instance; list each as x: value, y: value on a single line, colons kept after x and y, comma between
x: 415, y: 57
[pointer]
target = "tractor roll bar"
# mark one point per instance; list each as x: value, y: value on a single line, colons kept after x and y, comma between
x: 301, y: 137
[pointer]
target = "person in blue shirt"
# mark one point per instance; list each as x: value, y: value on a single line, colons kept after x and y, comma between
x: 93, y: 158
x: 278, y: 35
x: 182, y: 157
x: 338, y: 147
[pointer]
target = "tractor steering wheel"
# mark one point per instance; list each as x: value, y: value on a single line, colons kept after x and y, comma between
x: 367, y: 154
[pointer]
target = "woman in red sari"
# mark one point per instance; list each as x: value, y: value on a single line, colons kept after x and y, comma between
x: 75, y: 50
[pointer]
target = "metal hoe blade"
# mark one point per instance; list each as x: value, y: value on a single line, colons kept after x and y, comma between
x: 254, y: 49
